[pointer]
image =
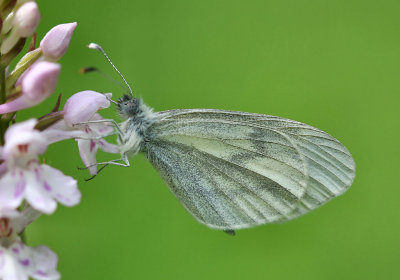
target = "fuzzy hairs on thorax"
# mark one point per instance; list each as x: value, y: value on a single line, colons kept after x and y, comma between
x: 137, y: 118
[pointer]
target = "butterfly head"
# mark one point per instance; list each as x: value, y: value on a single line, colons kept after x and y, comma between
x: 128, y: 106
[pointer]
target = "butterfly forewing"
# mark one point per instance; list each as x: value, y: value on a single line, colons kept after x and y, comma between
x: 235, y: 170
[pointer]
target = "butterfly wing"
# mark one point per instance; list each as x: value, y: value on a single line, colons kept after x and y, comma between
x: 234, y: 170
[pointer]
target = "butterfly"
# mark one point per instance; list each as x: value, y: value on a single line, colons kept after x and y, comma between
x: 234, y: 170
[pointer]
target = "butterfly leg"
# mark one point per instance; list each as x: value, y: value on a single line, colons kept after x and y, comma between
x: 107, y: 163
x: 113, y: 122
x: 111, y: 162
x: 98, y: 137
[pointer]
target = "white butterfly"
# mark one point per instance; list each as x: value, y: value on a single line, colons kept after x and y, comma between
x: 234, y: 170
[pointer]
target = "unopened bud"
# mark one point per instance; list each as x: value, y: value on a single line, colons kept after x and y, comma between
x: 24, y: 24
x: 55, y: 43
x: 26, y: 19
x: 41, y: 80
x: 38, y: 84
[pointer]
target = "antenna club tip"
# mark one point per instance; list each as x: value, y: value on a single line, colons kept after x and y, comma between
x: 93, y: 46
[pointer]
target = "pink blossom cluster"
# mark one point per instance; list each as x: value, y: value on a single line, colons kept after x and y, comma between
x: 28, y: 187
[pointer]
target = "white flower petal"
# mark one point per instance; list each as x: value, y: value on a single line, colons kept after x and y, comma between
x: 88, y: 150
x: 37, y: 195
x: 19, y: 261
x: 9, y: 213
x: 45, y: 263
x: 61, y: 131
x: 62, y: 188
x: 101, y: 128
x: 56, y: 135
x: 11, y: 269
x: 12, y: 188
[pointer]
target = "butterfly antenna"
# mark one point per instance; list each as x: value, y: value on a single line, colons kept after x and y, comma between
x: 90, y: 69
x: 95, y: 46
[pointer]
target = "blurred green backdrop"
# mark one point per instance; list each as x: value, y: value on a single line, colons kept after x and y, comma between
x: 333, y: 64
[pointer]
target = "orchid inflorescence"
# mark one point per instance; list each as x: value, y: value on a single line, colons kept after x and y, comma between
x: 28, y: 187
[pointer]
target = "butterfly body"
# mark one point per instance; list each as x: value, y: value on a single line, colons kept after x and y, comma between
x: 138, y: 117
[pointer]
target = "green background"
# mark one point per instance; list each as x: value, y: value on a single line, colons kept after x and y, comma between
x: 331, y: 64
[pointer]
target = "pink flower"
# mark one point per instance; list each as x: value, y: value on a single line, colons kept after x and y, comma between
x: 18, y: 261
x: 80, y: 108
x: 40, y: 184
x: 24, y: 24
x: 55, y: 43
x: 37, y: 85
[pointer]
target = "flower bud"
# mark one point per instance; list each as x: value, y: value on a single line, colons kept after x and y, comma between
x: 24, y: 24
x: 38, y: 84
x: 55, y: 43
x: 41, y: 80
x: 82, y: 106
x: 26, y: 19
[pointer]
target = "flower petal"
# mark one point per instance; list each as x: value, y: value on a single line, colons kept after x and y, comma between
x: 63, y: 188
x: 12, y: 270
x: 88, y: 151
x: 39, y: 262
x: 60, y: 131
x: 101, y: 128
x: 12, y: 189
x: 37, y: 195
x: 45, y: 263
x: 81, y: 106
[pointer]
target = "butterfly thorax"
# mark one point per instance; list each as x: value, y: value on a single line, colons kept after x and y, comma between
x: 137, y: 118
